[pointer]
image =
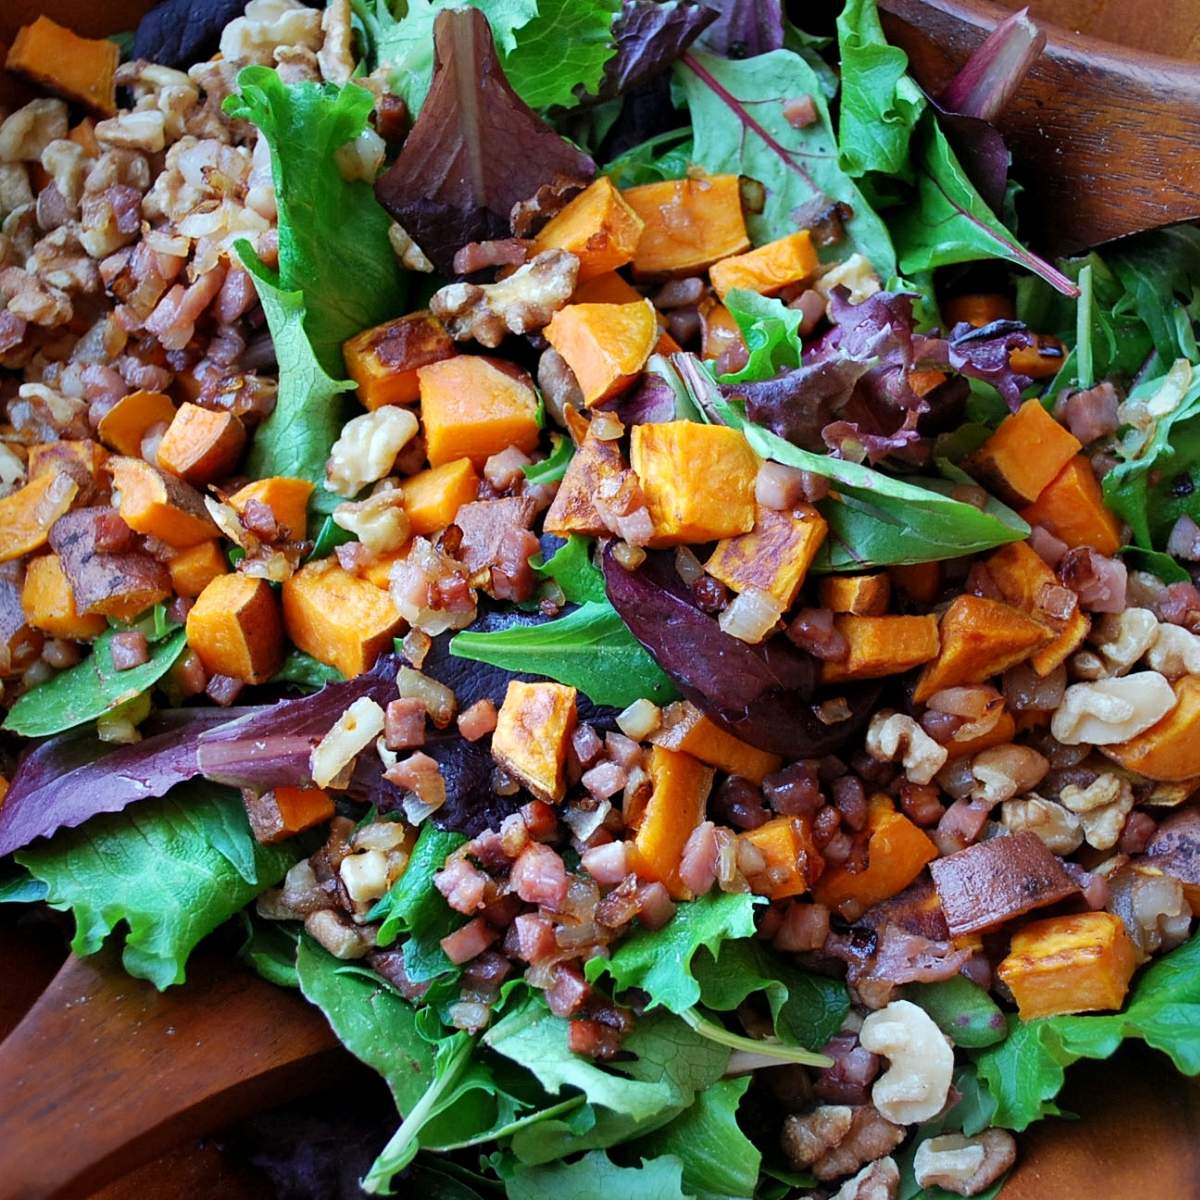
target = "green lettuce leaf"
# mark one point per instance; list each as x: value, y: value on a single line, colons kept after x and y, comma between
x: 572, y: 568
x: 880, y: 104
x: 596, y: 1177
x: 738, y: 117
x: 19, y: 887
x: 171, y: 869
x: 552, y: 468
x: 770, y: 331
x: 270, y: 949
x: 306, y: 672
x: 664, y: 156
x: 962, y: 1010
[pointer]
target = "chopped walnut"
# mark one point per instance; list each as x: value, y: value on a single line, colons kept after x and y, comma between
x: 15, y: 191
x: 21, y: 231
x: 809, y: 1137
x: 1102, y: 807
x: 60, y: 261
x: 893, y: 736
x: 136, y: 130
x: 66, y: 162
x: 197, y: 170
x: 1174, y: 652
x: 407, y: 251
x: 367, y: 448
x: 879, y: 1180
x: 266, y: 25
x: 871, y: 1136
x: 339, y: 935
x: 28, y: 131
x: 1122, y: 638
x: 297, y: 64
x: 964, y: 1165
x: 379, y: 522
x: 856, y: 274
x: 1111, y: 710
x: 1058, y: 827
x: 161, y: 89
x: 30, y: 299
x: 117, y: 168
x: 336, y: 56
x: 522, y: 303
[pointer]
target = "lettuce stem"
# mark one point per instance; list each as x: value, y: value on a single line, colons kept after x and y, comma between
x: 766, y: 1047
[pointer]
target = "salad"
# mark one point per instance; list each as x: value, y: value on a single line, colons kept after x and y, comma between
x: 581, y: 527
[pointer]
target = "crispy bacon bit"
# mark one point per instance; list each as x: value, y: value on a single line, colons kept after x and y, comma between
x: 698, y: 865
x: 800, y: 111
x: 569, y: 992
x: 390, y: 964
x: 903, y: 957
x: 593, y: 1039
x: 477, y: 721
x: 740, y: 804
x: 854, y: 1069
x: 486, y: 973
x: 607, y: 864
x: 1090, y: 414
x: 539, y: 876
x: 484, y: 525
x: 129, y: 649
x: 655, y: 906
x: 795, y: 791
x: 804, y: 927
x: 404, y: 724
x: 471, y: 940
x: 586, y: 743
x: 541, y: 821
x: 512, y: 576
x: 462, y: 884
x: 223, y: 689
x: 1098, y: 581
x: 531, y: 937
x: 961, y: 824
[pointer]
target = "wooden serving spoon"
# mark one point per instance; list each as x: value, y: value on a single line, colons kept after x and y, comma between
x: 1105, y: 140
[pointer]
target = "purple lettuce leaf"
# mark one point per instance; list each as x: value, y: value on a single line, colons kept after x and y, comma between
x: 745, y: 28
x: 475, y: 150
x: 983, y: 354
x: 800, y: 403
x: 762, y: 694
x: 177, y: 33
x: 651, y: 402
x: 70, y: 778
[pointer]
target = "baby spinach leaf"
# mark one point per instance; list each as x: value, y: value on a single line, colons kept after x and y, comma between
x: 91, y: 688
x: 664, y: 156
x: 962, y: 1010
x: 270, y: 949
x: 330, y: 535
x: 1162, y: 565
x: 414, y: 905
x: 571, y: 567
x: 769, y: 329
x: 552, y: 468
x: 737, y: 111
x: 171, y: 869
x: 880, y: 104
x: 948, y: 222
x: 659, y: 961
x: 589, y: 648
x: 306, y: 672
x: 597, y: 1177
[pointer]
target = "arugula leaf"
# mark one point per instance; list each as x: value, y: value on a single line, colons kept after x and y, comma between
x: 948, y: 222
x: 1162, y: 565
x: 589, y: 648
x: 270, y: 949
x: 962, y: 1010
x: 770, y: 331
x: 306, y: 672
x: 1025, y: 1072
x: 880, y: 104
x: 596, y: 1177
x: 879, y: 520
x: 91, y: 688
x: 740, y: 128
x: 172, y: 869
x: 329, y: 537
x: 572, y: 568
x: 19, y: 887
x: 718, y: 1159
x: 807, y: 1009
x: 659, y: 961
x: 414, y: 905
x: 554, y: 466
x: 665, y: 156
x: 1160, y: 273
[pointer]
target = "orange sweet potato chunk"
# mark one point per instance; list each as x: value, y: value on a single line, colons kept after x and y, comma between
x: 698, y: 480
x: 605, y: 345
x: 1070, y: 964
x: 432, y: 498
x: 978, y: 309
x: 341, y: 620
x: 193, y: 569
x: 82, y: 460
x: 1042, y: 360
x: 1072, y: 508
x: 49, y: 602
x: 234, y: 627
x: 921, y: 582
x: 1024, y: 454
x: 159, y: 505
x: 680, y: 787
x: 287, y: 498
x: 201, y: 445
x: 881, y: 646
x: 774, y: 556
x: 689, y: 224
x: 383, y: 361
x: 1168, y: 751
x: 685, y: 728
x: 608, y: 288
x: 532, y: 736
x: 474, y: 407
x: 27, y: 515
x: 896, y: 854
x: 767, y: 269
x: 598, y: 227
x: 124, y: 426
x: 76, y: 68
x: 859, y: 595
x: 793, y: 862
x: 280, y: 814
x: 980, y: 638
x: 573, y: 510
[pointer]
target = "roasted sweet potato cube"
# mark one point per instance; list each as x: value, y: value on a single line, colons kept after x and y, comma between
x: 859, y: 595
x: 379, y: 570
x: 1169, y: 750
x: 341, y: 620
x: 1024, y: 454
x: 77, y: 68
x: 605, y: 345
x: 573, y: 509
x: 1072, y: 508
x: 993, y: 881
x: 977, y: 309
x: 680, y: 787
x: 433, y: 497
x: 921, y: 582
x: 235, y: 628
x: 923, y: 382
x: 201, y: 445
x: 689, y: 224
x: 980, y: 638
x: 1070, y: 964
x: 793, y: 862
x: 597, y: 226
x: 124, y: 426
x: 896, y: 854
x: 474, y: 407
x: 159, y: 505
x: 774, y: 556
x: 767, y: 269
x: 1042, y: 360
x: 84, y: 460
x: 287, y: 498
x: 532, y: 736
x: 685, y: 728
x: 278, y: 815
x: 383, y: 361
x: 27, y: 515
x: 698, y: 480
x: 193, y: 569
x: 609, y: 288
x: 1021, y: 576
x: 49, y: 602
x: 881, y: 646
x: 20, y: 643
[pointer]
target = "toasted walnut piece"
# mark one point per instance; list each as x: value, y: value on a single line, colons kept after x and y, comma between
x: 66, y: 162
x: 964, y: 1165
x: 351, y: 733
x: 1058, y: 827
x: 379, y: 522
x: 367, y: 448
x: 522, y: 303
x: 808, y: 1137
x: 893, y: 736
x: 856, y: 273
x: 266, y: 25
x: 28, y: 131
x: 336, y: 57
x: 117, y: 167
x: 1112, y: 710
x: 137, y: 130
x: 879, y: 1180
x: 1006, y: 771
x: 61, y: 260
x: 407, y: 251
x: 1122, y: 638
x: 30, y: 299
x: 917, y: 1082
x: 15, y: 191
x: 1174, y: 652
x: 297, y: 64
x: 871, y: 1136
x: 1102, y: 807
x: 338, y: 934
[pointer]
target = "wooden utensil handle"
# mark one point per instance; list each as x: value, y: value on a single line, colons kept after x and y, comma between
x: 104, y: 1072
